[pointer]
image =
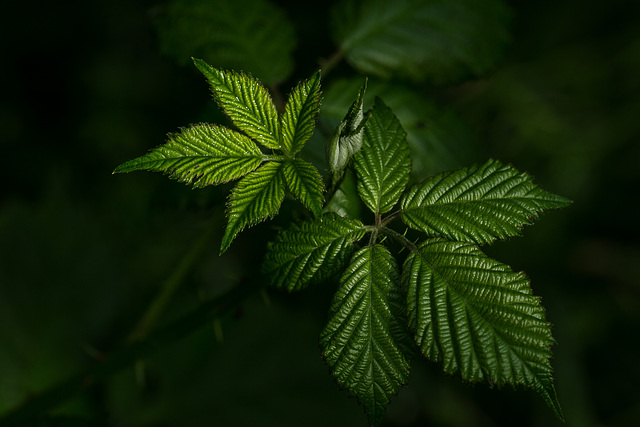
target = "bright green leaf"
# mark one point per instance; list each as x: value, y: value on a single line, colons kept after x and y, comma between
x: 383, y: 164
x: 300, y: 114
x: 251, y: 35
x: 246, y: 102
x: 305, y: 183
x: 478, y: 318
x: 311, y: 252
x: 347, y: 139
x: 365, y: 343
x: 257, y: 196
x: 200, y: 155
x: 441, y: 41
x: 478, y: 204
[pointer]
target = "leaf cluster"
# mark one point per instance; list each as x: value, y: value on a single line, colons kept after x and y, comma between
x: 205, y: 154
x: 443, y: 298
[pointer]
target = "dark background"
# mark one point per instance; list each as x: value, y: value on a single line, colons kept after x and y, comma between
x: 83, y: 252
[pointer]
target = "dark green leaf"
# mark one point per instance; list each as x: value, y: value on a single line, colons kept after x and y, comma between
x: 256, y: 197
x: 300, y: 114
x: 201, y: 155
x: 246, y: 102
x: 383, y: 164
x: 365, y: 342
x: 439, y: 40
x: 478, y: 318
x: 305, y: 183
x: 478, y: 204
x: 311, y: 252
x: 250, y: 35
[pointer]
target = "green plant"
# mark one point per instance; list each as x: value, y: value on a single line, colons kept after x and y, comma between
x: 412, y: 281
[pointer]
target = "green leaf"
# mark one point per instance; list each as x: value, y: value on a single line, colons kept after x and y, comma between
x: 345, y: 200
x: 257, y: 196
x: 305, y: 183
x: 478, y: 204
x: 246, y: 102
x: 251, y: 35
x: 383, y: 164
x: 300, y: 114
x: 478, y: 318
x: 200, y: 155
x: 441, y: 41
x: 347, y: 139
x: 311, y: 252
x: 365, y: 343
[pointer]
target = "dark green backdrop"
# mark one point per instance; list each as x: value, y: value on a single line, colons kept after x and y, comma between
x: 82, y: 252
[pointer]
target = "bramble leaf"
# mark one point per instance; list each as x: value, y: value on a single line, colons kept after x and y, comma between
x: 200, y: 155
x: 257, y: 196
x: 383, y: 164
x: 300, y: 114
x: 305, y: 183
x: 365, y: 343
x: 477, y: 204
x: 247, y: 103
x: 347, y: 139
x: 436, y: 40
x: 251, y: 35
x: 311, y: 252
x: 478, y: 317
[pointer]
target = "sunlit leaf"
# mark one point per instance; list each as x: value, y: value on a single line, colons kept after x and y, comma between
x: 256, y: 197
x: 478, y: 318
x: 311, y: 252
x: 437, y: 40
x: 201, y: 155
x: 300, y: 114
x: 246, y: 102
x: 365, y: 342
x: 305, y: 183
x: 383, y: 164
x: 478, y: 204
x: 255, y: 36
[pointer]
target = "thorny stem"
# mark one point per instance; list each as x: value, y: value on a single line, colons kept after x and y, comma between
x: 328, y: 64
x: 173, y: 282
x: 129, y: 354
x: 375, y: 230
x: 391, y: 217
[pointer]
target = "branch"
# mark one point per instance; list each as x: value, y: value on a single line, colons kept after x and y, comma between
x: 129, y: 354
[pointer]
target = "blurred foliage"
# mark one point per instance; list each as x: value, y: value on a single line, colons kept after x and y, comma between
x: 82, y: 253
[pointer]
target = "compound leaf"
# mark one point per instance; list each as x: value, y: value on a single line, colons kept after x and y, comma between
x: 478, y: 204
x: 365, y: 343
x: 257, y: 196
x: 348, y: 138
x: 300, y: 114
x: 383, y: 164
x: 478, y: 318
x: 311, y: 252
x: 305, y: 183
x: 200, y: 155
x: 246, y: 102
x: 251, y: 35
x: 437, y: 40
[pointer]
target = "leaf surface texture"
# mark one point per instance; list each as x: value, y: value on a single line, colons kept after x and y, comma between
x: 312, y: 251
x: 478, y: 204
x: 478, y: 318
x: 365, y: 342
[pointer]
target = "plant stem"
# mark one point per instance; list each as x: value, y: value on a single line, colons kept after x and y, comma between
x: 328, y: 64
x: 173, y: 282
x: 399, y: 237
x: 129, y: 354
x: 391, y: 217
